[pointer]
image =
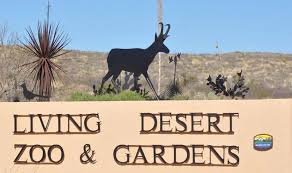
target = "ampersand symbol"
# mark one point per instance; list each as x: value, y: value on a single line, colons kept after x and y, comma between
x: 87, y: 155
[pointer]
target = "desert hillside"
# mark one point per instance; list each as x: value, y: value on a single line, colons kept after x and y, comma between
x: 268, y: 75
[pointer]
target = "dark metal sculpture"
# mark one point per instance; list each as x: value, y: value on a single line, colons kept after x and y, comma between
x: 174, y: 59
x: 108, y: 90
x: 47, y: 44
x: 173, y: 88
x: 28, y: 95
x: 135, y: 60
x: 218, y: 86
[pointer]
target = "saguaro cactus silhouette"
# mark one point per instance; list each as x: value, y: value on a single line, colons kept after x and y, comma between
x: 47, y: 44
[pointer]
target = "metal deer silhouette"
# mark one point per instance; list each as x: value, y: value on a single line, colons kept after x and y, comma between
x: 135, y: 60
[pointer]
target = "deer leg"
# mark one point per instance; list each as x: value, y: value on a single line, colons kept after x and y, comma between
x: 151, y: 85
x: 104, y: 79
x: 116, y: 75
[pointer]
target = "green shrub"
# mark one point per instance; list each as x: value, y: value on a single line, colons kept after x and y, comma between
x: 122, y: 96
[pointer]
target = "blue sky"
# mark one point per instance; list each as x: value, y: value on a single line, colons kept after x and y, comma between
x: 99, y: 25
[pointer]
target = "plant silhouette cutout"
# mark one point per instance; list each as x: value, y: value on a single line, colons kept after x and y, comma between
x: 111, y: 90
x: 28, y: 95
x: 108, y: 90
x: 135, y: 60
x: 174, y: 87
x: 174, y: 59
x: 44, y: 46
x: 238, y: 90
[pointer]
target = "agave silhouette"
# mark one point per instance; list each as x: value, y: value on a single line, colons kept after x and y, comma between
x: 46, y: 45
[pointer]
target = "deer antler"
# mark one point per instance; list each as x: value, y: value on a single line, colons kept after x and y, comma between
x: 161, y: 29
x: 167, y: 31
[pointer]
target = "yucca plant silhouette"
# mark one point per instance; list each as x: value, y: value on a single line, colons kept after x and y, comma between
x: 47, y: 44
x: 174, y: 59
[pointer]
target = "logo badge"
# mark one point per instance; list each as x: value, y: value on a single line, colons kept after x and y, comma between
x: 263, y: 142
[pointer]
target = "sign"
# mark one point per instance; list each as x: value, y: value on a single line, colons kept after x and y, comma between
x: 166, y: 136
x: 263, y: 142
